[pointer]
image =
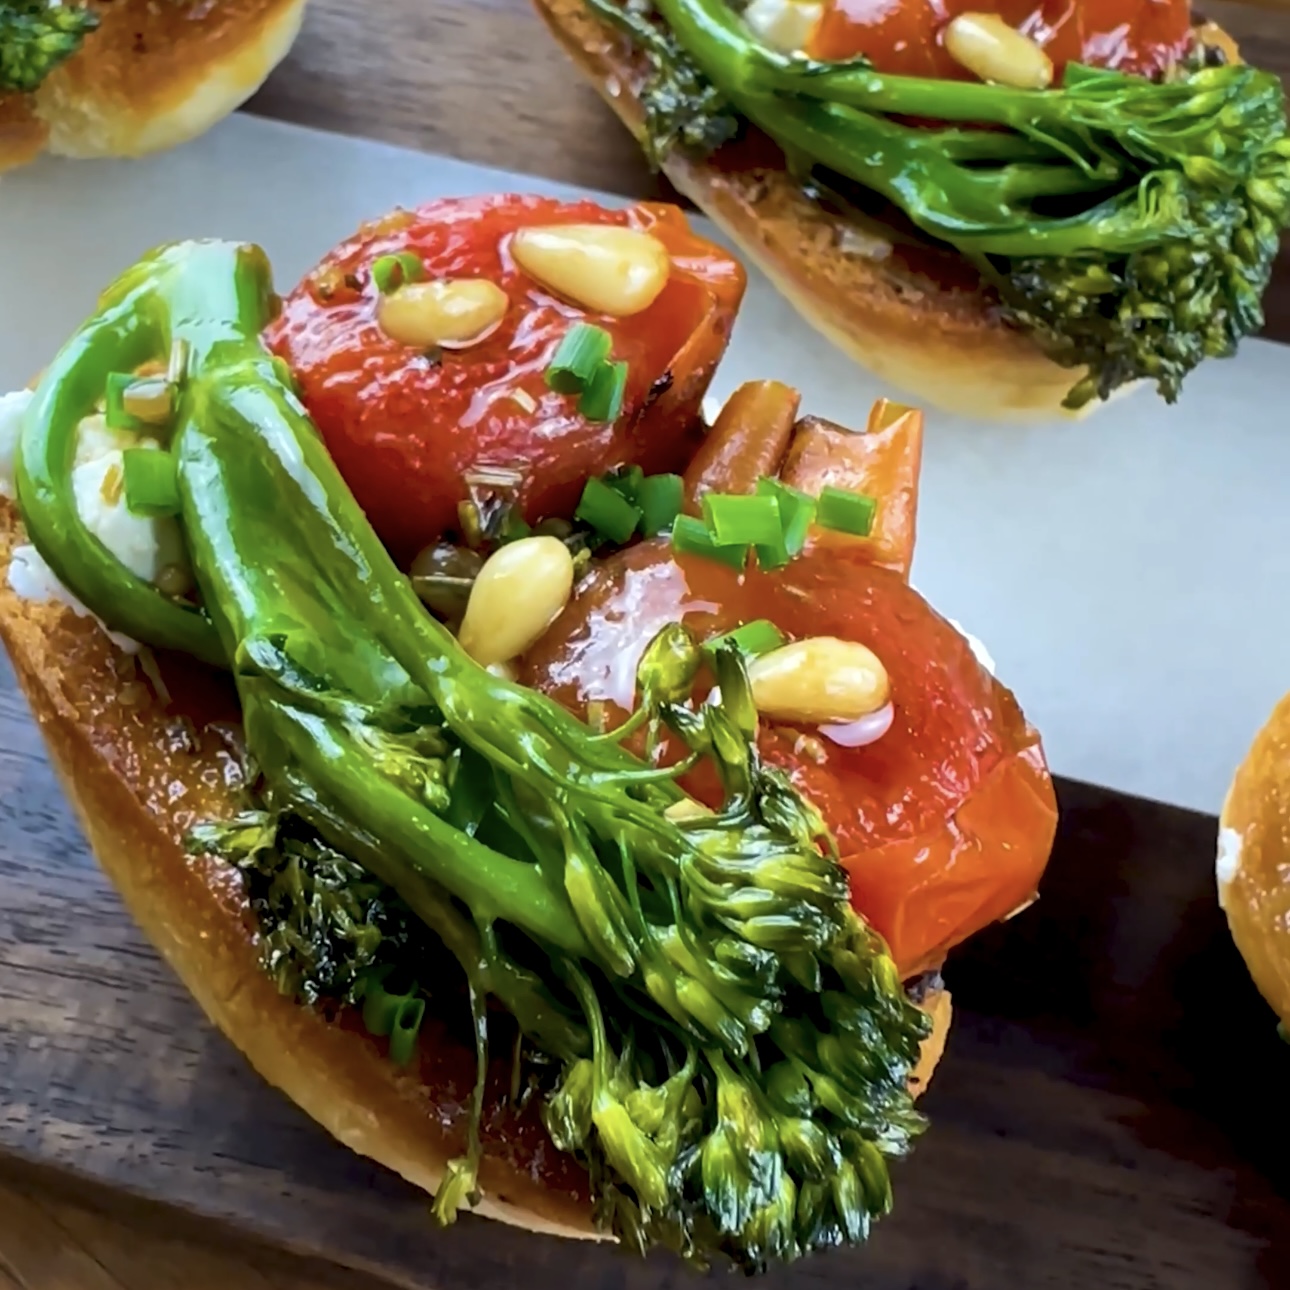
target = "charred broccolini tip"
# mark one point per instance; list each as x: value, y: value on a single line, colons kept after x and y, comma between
x: 35, y: 37
x: 1129, y: 225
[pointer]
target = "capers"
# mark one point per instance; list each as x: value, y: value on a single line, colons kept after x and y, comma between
x: 442, y: 576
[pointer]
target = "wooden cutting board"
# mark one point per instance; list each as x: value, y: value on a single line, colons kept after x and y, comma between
x: 1111, y: 1112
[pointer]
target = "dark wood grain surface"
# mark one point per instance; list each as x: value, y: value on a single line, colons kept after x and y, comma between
x: 1111, y: 1113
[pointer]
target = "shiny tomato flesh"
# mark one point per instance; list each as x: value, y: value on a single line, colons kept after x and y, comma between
x: 405, y: 426
x: 906, y: 37
x: 945, y: 824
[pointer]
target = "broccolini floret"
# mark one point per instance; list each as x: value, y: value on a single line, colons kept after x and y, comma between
x: 35, y: 37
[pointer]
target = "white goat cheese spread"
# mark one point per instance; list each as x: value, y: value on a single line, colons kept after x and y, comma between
x: 143, y: 544
x: 1228, y: 863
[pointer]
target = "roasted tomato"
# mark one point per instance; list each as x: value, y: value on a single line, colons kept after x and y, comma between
x: 906, y: 37
x: 407, y: 425
x: 945, y: 823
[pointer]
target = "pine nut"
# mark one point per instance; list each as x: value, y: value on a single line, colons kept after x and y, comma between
x: 819, y: 680
x: 604, y: 268
x: 151, y: 400
x: 452, y: 312
x: 518, y: 594
x: 784, y: 25
x: 989, y: 48
x: 686, y: 809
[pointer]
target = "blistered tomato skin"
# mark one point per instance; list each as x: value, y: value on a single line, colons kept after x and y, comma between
x: 906, y: 37
x: 945, y: 824
x: 404, y: 426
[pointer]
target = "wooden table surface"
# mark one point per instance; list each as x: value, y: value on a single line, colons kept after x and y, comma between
x: 444, y: 76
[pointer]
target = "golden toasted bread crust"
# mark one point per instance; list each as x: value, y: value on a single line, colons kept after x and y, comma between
x: 943, y: 341
x: 1253, y: 859
x: 151, y: 77
x: 139, y: 772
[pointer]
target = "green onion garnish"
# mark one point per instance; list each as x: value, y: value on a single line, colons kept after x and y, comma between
x: 690, y: 536
x: 660, y: 499
x: 390, y: 272
x: 607, y: 511
x: 846, y: 512
x: 114, y: 412
x: 380, y: 1007
x: 626, y: 482
x: 150, y: 479
x: 602, y: 400
x: 758, y: 637
x: 796, y: 512
x: 580, y: 355
x: 735, y: 520
x: 407, y: 1025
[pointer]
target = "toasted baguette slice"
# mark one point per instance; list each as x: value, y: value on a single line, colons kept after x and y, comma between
x: 151, y: 77
x: 1254, y: 859
x: 139, y: 771
x: 929, y: 328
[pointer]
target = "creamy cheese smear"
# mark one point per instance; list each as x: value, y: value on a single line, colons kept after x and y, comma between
x: 1228, y: 863
x: 144, y: 545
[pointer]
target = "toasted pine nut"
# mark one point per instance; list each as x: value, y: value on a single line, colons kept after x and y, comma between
x: 989, y: 48
x: 686, y: 809
x: 819, y: 680
x: 605, y: 268
x: 518, y: 594
x: 151, y: 400
x: 784, y: 25
x: 452, y: 312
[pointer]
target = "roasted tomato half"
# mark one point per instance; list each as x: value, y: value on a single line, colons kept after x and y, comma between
x: 409, y: 424
x: 907, y: 37
x: 945, y: 822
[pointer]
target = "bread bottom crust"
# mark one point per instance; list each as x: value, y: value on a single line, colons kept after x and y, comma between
x: 1254, y: 859
x: 153, y: 76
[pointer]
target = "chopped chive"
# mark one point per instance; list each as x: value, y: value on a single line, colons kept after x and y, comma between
x: 846, y: 512
x: 608, y: 512
x: 758, y: 637
x: 660, y: 501
x: 580, y: 355
x: 114, y: 412
x: 691, y: 537
x: 177, y: 368
x: 627, y: 483
x: 602, y: 400
x: 736, y: 520
x: 407, y: 1025
x: 391, y: 271
x: 150, y: 479
x: 772, y: 555
x: 796, y: 512
x: 380, y: 1007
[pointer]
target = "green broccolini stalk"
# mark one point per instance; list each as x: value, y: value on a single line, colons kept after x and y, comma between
x: 733, y: 1042
x: 35, y: 37
x: 1129, y: 225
